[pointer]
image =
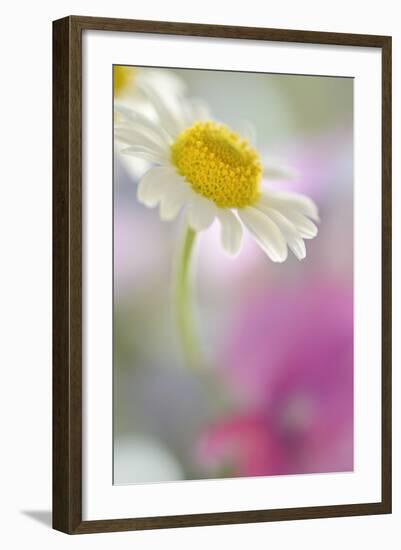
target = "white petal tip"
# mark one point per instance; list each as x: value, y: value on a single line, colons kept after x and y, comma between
x: 299, y: 252
x: 168, y: 215
x: 232, y: 254
x: 148, y: 203
x: 277, y: 259
x: 200, y: 213
x: 195, y: 226
x: 310, y: 235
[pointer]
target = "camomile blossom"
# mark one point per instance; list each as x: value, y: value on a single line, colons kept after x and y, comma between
x: 129, y: 82
x: 210, y: 172
x: 128, y: 88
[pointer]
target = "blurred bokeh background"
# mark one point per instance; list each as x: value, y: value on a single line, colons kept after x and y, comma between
x: 277, y: 396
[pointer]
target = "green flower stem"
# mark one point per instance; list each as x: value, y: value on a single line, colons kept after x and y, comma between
x: 183, y: 302
x: 210, y: 379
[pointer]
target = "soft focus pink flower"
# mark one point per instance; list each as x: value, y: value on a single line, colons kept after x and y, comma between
x: 290, y: 359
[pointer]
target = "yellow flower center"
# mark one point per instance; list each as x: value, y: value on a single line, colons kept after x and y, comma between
x: 218, y: 164
x: 123, y: 79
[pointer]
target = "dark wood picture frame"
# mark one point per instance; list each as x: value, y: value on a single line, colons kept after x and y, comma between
x: 67, y: 274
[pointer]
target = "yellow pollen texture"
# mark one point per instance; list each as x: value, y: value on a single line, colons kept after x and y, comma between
x: 218, y: 164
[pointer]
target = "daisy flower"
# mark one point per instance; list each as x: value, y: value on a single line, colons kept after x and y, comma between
x: 128, y: 84
x: 208, y: 170
x: 202, y: 167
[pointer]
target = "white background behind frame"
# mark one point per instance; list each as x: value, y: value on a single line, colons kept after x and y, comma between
x: 101, y: 499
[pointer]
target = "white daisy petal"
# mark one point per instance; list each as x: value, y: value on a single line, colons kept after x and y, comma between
x: 150, y: 195
x: 162, y: 79
x: 196, y: 109
x: 302, y: 204
x: 278, y: 171
x: 145, y: 153
x: 153, y: 185
x: 306, y: 228
x: 298, y: 248
x: 136, y: 118
x: 265, y: 232
x: 201, y: 212
x: 175, y: 197
x: 289, y: 231
x: 231, y: 231
x: 152, y: 132
x: 168, y: 110
x: 135, y: 136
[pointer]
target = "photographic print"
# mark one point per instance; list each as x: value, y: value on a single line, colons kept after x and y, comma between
x: 233, y: 274
x: 221, y: 275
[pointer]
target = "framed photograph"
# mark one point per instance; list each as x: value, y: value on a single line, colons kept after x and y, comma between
x: 222, y: 274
